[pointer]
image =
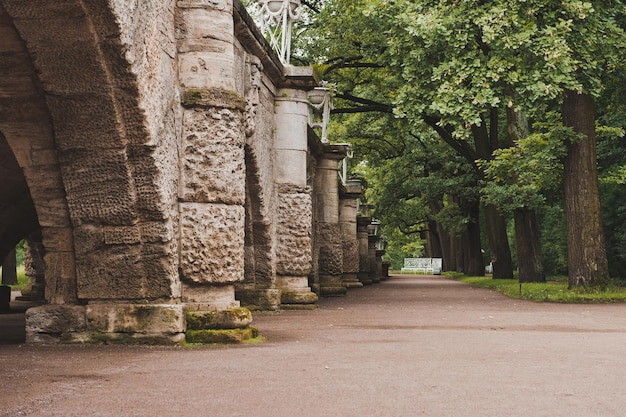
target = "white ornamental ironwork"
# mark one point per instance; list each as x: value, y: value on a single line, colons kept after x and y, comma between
x: 321, y: 103
x: 276, y: 18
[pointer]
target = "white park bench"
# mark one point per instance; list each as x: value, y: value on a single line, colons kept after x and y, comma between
x: 422, y: 265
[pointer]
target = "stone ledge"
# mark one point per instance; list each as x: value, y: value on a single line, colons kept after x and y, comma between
x: 106, y: 323
x: 212, y: 97
x: 221, y: 336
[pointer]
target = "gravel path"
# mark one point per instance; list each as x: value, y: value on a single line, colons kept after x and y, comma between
x: 410, y: 346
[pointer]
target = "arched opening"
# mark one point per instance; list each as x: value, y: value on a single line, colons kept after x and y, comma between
x: 18, y: 217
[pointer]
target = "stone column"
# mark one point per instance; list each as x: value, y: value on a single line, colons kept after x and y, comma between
x: 212, y: 186
x: 329, y: 232
x: 362, y: 222
x: 294, y: 217
x: 371, y: 254
x: 379, y: 264
x: 348, y: 195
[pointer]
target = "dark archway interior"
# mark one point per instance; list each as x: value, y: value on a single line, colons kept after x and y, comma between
x: 18, y: 217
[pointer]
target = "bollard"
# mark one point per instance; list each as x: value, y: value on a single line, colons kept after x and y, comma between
x: 5, y: 298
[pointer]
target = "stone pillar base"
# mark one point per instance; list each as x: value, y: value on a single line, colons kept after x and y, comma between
x: 217, y: 297
x: 350, y: 280
x: 331, y: 285
x: 106, y: 323
x: 234, y: 318
x: 365, y: 278
x: 296, y: 292
x: 259, y: 299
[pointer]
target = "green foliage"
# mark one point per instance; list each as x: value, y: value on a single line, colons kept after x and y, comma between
x: 22, y: 279
x: 447, y: 66
x: 553, y: 238
x: 522, y: 174
x: 401, y: 246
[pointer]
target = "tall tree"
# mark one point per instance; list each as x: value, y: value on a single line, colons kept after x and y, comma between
x: 587, y: 261
x: 546, y: 51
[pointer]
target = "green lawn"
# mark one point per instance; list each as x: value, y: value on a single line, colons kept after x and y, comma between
x: 553, y: 291
x: 22, y: 279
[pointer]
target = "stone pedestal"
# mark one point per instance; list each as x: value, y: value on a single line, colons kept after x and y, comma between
x: 330, y: 262
x: 364, y: 259
x: 349, y: 193
x: 373, y: 263
x: 268, y: 299
x: 106, y: 323
x: 379, y: 264
x: 294, y: 217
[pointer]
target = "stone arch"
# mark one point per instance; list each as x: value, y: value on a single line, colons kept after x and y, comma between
x: 30, y: 161
x: 98, y: 151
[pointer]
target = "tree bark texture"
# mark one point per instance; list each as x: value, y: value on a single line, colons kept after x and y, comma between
x: 586, y: 252
x: 473, y: 265
x: 494, y: 221
x: 527, y: 236
x: 498, y: 243
x: 434, y: 242
x: 528, y: 246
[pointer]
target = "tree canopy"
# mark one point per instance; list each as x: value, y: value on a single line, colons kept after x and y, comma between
x: 425, y: 90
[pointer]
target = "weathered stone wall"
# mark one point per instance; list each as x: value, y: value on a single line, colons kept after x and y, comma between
x: 162, y: 144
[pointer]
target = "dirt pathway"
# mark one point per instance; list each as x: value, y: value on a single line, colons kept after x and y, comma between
x: 410, y: 346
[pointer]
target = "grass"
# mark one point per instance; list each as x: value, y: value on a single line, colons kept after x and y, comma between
x: 22, y: 279
x: 553, y: 291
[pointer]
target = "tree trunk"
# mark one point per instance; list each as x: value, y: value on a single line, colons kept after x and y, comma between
x: 528, y: 246
x: 433, y: 240
x: 9, y: 269
x: 473, y: 265
x: 586, y: 252
x: 494, y: 222
x: 498, y: 243
x: 447, y: 254
x: 527, y: 236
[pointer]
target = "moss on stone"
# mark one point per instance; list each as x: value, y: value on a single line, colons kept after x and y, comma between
x: 213, y: 97
x: 221, y: 336
x: 218, y: 319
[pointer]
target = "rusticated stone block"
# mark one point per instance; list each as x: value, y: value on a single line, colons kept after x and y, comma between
x: 99, y: 187
x: 293, y: 254
x: 58, y: 239
x: 351, y: 256
x: 154, y: 171
x: 331, y: 249
x: 135, y: 318
x: 140, y: 233
x: 127, y: 272
x: 60, y: 277
x: 55, y: 320
x: 212, y: 243
x: 213, y: 163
